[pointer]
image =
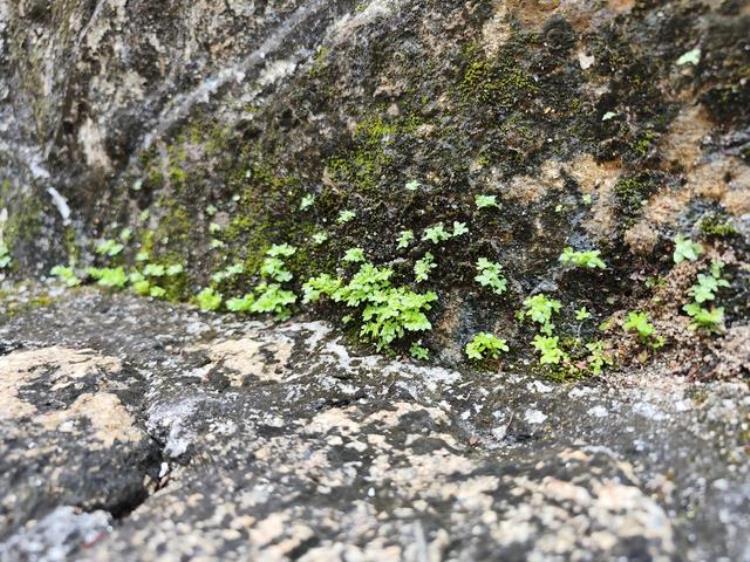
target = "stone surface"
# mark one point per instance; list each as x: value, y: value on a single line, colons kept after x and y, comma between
x: 242, y: 440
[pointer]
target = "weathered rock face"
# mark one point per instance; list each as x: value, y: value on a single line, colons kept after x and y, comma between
x: 193, y: 136
x: 202, y: 127
x: 140, y: 431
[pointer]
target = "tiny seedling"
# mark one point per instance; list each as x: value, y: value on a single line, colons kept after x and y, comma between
x: 154, y: 270
x: 711, y: 320
x: 271, y: 298
x: 639, y: 322
x: 227, y: 273
x: 354, y: 255
x: 486, y: 201
x: 109, y: 248
x: 405, y: 238
x: 598, y: 357
x: 459, y: 228
x: 490, y: 276
x: 345, y: 216
x: 156, y: 292
x: 209, y: 299
x: 485, y: 344
x: 412, y: 185
x: 549, y: 350
x: 281, y: 250
x: 707, y: 286
x: 275, y: 269
x: 319, y: 238
x: 66, y: 275
x: 686, y: 249
x: 323, y: 284
x: 174, y: 269
x: 540, y: 309
x: 243, y: 304
x: 125, y: 234
x: 582, y: 314
x: 5, y: 257
x: 436, y: 233
x: 114, y: 278
x: 307, y: 201
x: 419, y: 352
x: 588, y: 259
x: 423, y: 266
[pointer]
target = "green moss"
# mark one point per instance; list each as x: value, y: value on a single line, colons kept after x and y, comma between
x: 717, y: 226
x: 501, y: 82
x: 631, y: 194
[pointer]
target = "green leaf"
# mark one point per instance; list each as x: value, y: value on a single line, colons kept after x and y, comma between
x: 209, y: 299
x: 686, y: 249
x: 485, y: 343
x: 486, y: 201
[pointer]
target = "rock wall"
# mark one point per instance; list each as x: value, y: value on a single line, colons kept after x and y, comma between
x: 203, y: 127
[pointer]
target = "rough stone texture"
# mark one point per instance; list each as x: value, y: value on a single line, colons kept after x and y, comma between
x: 279, y: 442
x: 138, y: 430
x: 218, y: 118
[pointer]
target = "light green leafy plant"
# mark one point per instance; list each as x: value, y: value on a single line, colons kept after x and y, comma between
x: 281, y: 251
x: 228, y: 272
x: 5, y: 257
x: 549, y: 350
x: 686, y: 249
x: 393, y: 312
x: 154, y: 270
x: 582, y: 314
x: 711, y: 320
x: 156, y: 292
x: 125, y: 234
x: 307, y: 201
x: 436, y: 233
x: 405, y: 238
x: 459, y: 228
x: 412, y: 185
x: 423, y: 266
x: 354, y: 255
x: 368, y: 282
x: 323, y: 284
x: 272, y: 298
x: 274, y: 268
x: 241, y: 304
x: 540, y: 309
x: 589, y: 259
x: 115, y: 278
x: 489, y: 276
x: 705, y: 290
x: 209, y: 299
x: 346, y: 216
x: 319, y: 238
x: 66, y: 275
x: 175, y: 269
x: 485, y: 344
x: 639, y: 322
x: 109, y: 248
x: 598, y: 357
x: 419, y: 352
x: 707, y: 286
x: 486, y: 201
x: 388, y: 312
